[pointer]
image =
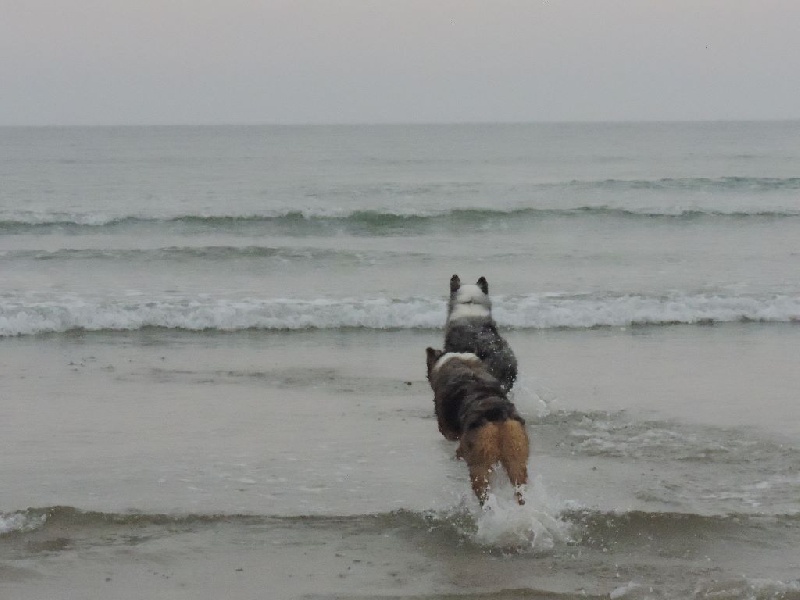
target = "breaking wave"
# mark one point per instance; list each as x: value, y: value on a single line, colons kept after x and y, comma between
x: 32, y: 313
x: 394, y: 221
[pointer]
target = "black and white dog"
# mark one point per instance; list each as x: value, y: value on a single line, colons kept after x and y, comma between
x: 471, y: 328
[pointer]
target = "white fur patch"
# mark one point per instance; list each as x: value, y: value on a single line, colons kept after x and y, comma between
x: 467, y: 294
x: 469, y: 311
x: 468, y: 356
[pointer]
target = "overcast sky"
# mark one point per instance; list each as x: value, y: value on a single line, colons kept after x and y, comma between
x: 369, y: 61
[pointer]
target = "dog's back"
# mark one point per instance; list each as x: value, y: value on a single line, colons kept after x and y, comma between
x: 459, y: 381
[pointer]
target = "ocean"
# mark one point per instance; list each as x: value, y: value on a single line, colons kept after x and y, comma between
x: 212, y: 352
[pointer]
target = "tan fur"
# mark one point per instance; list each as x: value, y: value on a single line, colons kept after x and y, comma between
x: 504, y: 442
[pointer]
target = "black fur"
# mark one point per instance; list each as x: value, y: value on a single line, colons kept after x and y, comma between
x: 467, y: 395
x: 479, y: 335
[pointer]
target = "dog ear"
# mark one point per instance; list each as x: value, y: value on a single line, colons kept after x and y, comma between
x: 432, y: 355
x: 483, y: 284
x: 455, y: 283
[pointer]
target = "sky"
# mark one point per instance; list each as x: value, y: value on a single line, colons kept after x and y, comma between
x: 128, y: 62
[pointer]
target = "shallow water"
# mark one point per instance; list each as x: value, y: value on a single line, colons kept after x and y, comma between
x: 230, y: 448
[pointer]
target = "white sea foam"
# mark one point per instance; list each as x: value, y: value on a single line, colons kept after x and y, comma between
x: 33, y: 313
x: 20, y: 521
x: 543, y: 311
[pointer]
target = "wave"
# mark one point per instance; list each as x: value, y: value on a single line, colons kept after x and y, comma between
x: 600, y: 528
x: 593, y: 525
x: 211, y: 253
x: 500, y: 527
x: 701, y: 184
x: 375, y: 222
x: 32, y: 313
x: 64, y: 517
x: 621, y: 555
x: 61, y: 517
x: 615, y: 435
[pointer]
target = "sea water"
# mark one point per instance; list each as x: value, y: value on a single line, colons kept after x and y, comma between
x: 212, y: 351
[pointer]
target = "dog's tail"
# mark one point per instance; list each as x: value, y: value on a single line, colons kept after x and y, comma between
x: 505, y: 442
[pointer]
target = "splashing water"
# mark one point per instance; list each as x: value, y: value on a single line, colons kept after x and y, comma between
x: 533, y: 527
x: 532, y: 398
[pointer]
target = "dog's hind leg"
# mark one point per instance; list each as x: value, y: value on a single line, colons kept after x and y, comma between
x: 479, y: 476
x: 514, y: 455
x: 481, y: 449
x: 518, y: 475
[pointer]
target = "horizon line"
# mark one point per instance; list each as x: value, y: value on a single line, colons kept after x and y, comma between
x: 401, y: 123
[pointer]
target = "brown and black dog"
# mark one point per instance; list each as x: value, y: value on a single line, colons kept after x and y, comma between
x: 471, y: 406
